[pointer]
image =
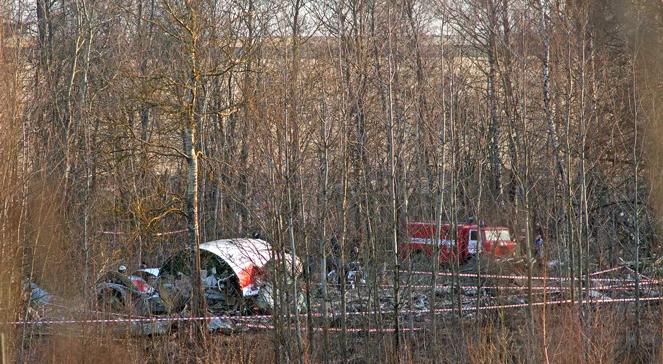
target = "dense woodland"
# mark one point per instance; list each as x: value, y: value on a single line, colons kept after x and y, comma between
x: 133, y: 128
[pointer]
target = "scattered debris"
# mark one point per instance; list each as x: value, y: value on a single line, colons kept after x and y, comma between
x: 239, y: 276
x: 38, y: 296
x: 596, y: 295
x: 37, y: 299
x: 119, y: 293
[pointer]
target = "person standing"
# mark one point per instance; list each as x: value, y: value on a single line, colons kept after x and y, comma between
x: 538, y: 249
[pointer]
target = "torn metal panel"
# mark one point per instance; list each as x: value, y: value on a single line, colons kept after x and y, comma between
x: 149, y: 271
x: 233, y: 272
x: 246, y: 257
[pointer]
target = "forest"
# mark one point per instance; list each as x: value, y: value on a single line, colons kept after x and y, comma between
x: 131, y: 130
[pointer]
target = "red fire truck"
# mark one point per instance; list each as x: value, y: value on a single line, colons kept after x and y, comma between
x: 495, y: 241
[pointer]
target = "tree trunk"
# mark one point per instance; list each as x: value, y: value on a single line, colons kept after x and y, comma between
x: 197, y: 297
x: 198, y: 306
x: 495, y: 129
x: 392, y: 191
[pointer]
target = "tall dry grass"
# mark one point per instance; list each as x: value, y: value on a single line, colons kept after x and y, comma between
x: 31, y: 246
x: 605, y: 336
x: 10, y: 196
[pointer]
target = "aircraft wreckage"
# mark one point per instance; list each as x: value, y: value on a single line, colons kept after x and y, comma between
x: 235, y: 273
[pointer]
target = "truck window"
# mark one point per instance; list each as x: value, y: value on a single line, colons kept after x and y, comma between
x: 473, y: 235
x: 501, y: 235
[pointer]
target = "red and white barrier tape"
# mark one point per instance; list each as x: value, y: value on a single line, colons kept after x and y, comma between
x: 423, y: 286
x: 642, y: 275
x: 472, y: 306
x: 606, y: 271
x: 626, y: 286
x: 118, y: 320
x: 248, y: 318
x: 622, y: 286
x: 500, y: 276
x: 337, y: 329
x: 546, y: 303
x: 157, y: 234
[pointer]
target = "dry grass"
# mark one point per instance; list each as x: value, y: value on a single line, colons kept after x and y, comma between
x: 605, y: 336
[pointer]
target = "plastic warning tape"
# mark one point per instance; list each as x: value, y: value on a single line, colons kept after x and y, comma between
x: 156, y: 234
x: 499, y: 276
x: 546, y: 303
x: 472, y: 306
x: 247, y: 322
x: 622, y: 286
x: 338, y: 329
x: 118, y: 320
x: 606, y: 271
x: 424, y: 286
x: 439, y: 310
x: 642, y: 275
x: 143, y: 319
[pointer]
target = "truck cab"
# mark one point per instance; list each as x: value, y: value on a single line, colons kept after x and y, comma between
x: 487, y: 240
x: 470, y: 240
